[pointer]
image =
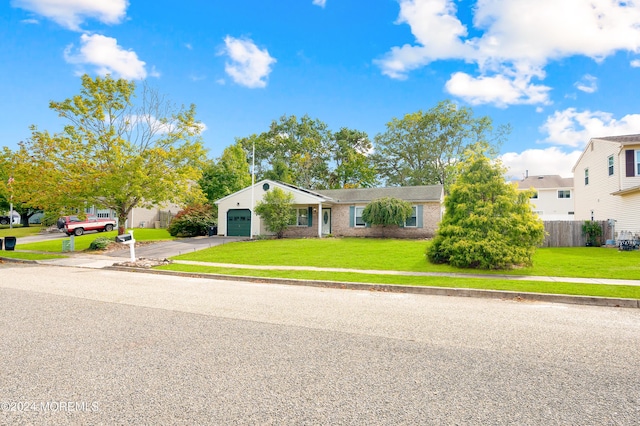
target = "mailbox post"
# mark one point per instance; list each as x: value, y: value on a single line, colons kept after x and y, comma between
x: 128, y: 239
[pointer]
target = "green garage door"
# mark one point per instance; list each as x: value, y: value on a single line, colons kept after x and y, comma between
x: 239, y: 223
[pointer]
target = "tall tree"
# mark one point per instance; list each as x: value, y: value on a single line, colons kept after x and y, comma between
x: 488, y: 223
x: 113, y: 153
x: 353, y: 167
x: 227, y: 174
x: 423, y: 147
x: 293, y: 151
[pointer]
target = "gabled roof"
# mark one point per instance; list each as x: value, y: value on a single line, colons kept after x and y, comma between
x: 365, y: 195
x: 545, y: 182
x: 296, y: 190
x: 623, y: 140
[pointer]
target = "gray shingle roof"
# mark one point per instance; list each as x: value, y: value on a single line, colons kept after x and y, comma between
x: 624, y: 139
x: 365, y: 195
x: 545, y: 181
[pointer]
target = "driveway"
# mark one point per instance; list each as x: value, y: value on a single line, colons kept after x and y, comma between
x: 166, y: 249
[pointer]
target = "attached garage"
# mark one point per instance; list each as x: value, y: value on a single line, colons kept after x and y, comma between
x: 239, y: 223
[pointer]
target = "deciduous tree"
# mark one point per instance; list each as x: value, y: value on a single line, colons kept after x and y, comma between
x: 351, y: 163
x: 423, y: 148
x: 227, y: 174
x: 114, y: 153
x: 276, y: 210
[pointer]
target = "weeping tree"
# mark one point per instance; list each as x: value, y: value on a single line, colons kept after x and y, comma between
x: 387, y: 211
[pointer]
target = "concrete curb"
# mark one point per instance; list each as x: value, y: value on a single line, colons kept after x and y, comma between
x: 432, y: 291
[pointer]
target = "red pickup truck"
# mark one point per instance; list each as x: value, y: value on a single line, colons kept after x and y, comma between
x: 76, y: 226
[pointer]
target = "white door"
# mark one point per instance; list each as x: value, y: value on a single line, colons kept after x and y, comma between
x: 326, y: 221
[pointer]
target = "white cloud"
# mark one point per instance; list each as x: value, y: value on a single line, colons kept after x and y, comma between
x: 320, y: 3
x: 517, y: 38
x: 635, y: 63
x: 248, y: 65
x: 587, y: 84
x: 71, y: 13
x: 498, y: 90
x: 105, y: 56
x: 549, y: 161
x: 574, y: 128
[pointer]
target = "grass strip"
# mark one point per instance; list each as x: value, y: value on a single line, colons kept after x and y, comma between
x: 29, y: 256
x: 84, y: 241
x: 598, y: 290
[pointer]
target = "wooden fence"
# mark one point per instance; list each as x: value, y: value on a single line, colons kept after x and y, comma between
x: 164, y: 217
x: 568, y: 233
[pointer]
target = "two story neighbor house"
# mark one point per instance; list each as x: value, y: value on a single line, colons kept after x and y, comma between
x: 607, y: 182
x: 337, y: 212
x: 553, y: 198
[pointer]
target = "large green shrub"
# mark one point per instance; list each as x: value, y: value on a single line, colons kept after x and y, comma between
x: 192, y: 221
x: 488, y: 223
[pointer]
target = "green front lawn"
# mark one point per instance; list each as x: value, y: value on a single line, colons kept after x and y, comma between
x: 82, y: 242
x: 19, y: 231
x: 408, y: 255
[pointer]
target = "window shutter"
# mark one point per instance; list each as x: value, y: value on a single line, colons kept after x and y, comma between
x: 419, y: 216
x: 310, y: 216
x: 629, y: 154
x: 352, y: 216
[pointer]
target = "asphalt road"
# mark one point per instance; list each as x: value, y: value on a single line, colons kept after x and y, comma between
x: 134, y: 348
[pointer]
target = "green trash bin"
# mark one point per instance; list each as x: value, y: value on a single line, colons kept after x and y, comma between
x: 9, y: 243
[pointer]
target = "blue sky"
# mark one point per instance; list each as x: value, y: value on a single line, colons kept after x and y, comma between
x: 558, y: 71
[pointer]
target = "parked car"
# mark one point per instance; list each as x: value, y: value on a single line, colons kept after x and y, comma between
x: 4, y: 220
x: 76, y: 226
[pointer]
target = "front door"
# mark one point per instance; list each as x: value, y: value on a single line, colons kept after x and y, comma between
x: 326, y: 221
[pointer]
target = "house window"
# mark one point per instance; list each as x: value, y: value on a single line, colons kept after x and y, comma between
x: 586, y: 176
x: 534, y: 195
x: 358, y: 217
x: 412, y: 222
x: 610, y: 162
x: 632, y: 162
x: 300, y: 217
x: 564, y: 193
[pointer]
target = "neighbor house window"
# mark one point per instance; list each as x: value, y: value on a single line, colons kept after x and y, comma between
x: 534, y: 195
x: 610, y: 161
x: 358, y: 216
x: 564, y: 193
x: 413, y: 220
x: 586, y: 176
x: 632, y: 162
x: 300, y: 217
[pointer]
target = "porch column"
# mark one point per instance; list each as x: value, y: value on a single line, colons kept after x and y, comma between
x: 319, y: 220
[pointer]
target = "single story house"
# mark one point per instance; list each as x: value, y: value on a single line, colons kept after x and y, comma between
x: 607, y: 182
x: 334, y: 211
x: 553, y: 197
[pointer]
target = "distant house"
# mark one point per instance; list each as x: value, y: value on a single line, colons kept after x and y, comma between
x: 337, y: 212
x: 139, y: 217
x: 607, y: 182
x: 553, y: 198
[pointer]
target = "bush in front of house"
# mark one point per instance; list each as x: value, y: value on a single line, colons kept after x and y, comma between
x: 192, y: 221
x: 488, y: 223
